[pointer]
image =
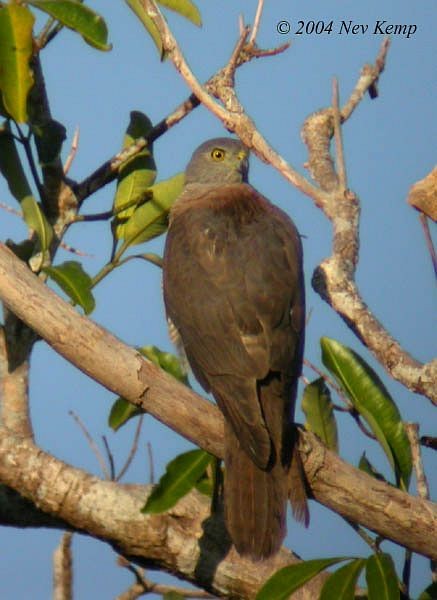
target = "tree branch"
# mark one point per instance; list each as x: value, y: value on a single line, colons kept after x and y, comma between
x: 395, y: 515
x: 184, y: 541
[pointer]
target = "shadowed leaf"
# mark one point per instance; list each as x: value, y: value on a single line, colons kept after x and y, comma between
x: 372, y: 400
x: 11, y: 167
x: 79, y: 18
x: 16, y: 78
x: 167, y: 361
x: 430, y: 593
x: 75, y: 282
x: 366, y: 466
x: 318, y: 409
x: 37, y: 221
x: 121, y: 412
x: 181, y: 475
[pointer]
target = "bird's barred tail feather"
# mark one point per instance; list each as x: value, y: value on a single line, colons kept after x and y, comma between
x: 255, y: 502
x: 256, y: 499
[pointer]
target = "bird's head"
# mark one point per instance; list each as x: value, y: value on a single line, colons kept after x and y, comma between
x: 218, y: 161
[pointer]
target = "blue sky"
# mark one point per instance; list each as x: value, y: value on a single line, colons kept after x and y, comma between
x: 389, y: 144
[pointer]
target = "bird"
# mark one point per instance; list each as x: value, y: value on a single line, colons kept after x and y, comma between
x: 233, y: 288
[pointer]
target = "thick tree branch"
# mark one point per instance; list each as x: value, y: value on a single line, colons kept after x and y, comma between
x: 389, y: 512
x: 183, y: 541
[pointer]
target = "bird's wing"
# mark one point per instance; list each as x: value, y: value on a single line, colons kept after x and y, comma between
x: 231, y: 273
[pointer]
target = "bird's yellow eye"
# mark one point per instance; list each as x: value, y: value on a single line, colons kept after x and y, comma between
x: 218, y: 154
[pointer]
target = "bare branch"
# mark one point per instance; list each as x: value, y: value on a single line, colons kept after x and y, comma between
x: 73, y: 150
x: 63, y: 569
x: 16, y: 343
x: 133, y: 450
x: 256, y: 22
x: 92, y: 444
x: 412, y: 430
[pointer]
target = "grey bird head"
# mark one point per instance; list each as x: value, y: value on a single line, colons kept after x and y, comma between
x: 220, y: 160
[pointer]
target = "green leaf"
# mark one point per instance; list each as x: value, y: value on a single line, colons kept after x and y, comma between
x: 372, y: 400
x: 382, y: 581
x: 319, y: 412
x: 430, y: 593
x: 79, y: 18
x: 16, y: 78
x: 185, y: 8
x: 37, y: 221
x: 121, y: 412
x: 75, y: 282
x: 289, y: 579
x: 341, y: 584
x: 151, y: 219
x: 136, y: 175
x: 10, y: 165
x: 167, y: 361
x: 137, y: 8
x: 366, y: 466
x: 180, y: 476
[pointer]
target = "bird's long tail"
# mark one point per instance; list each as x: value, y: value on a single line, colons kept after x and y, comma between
x: 256, y: 499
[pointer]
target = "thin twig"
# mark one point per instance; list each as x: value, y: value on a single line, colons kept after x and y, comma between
x: 412, y: 430
x: 133, y: 450
x: 357, y: 418
x: 9, y: 209
x: 73, y: 150
x: 75, y: 250
x: 92, y: 445
x: 63, y: 569
x: 406, y: 575
x: 428, y: 239
x: 328, y: 380
x: 151, y: 463
x: 29, y: 155
x: 368, y: 81
x: 110, y: 457
x: 256, y: 22
x: 429, y: 441
x: 157, y: 588
x: 339, y: 149
x: 370, y: 541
